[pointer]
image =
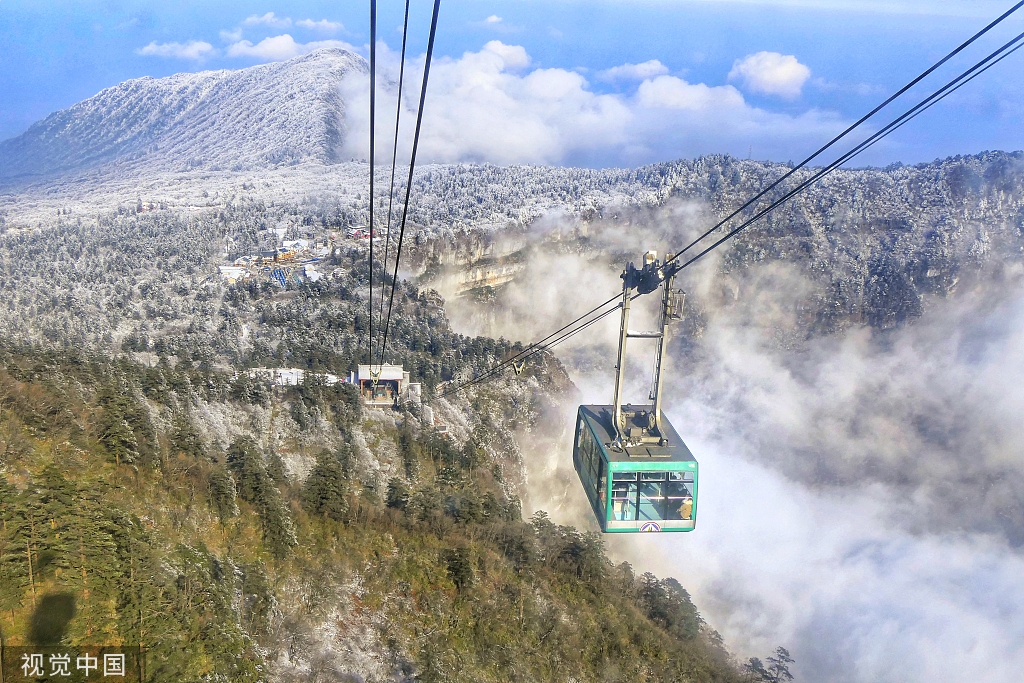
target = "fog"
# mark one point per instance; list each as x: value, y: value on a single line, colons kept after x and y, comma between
x: 861, y: 494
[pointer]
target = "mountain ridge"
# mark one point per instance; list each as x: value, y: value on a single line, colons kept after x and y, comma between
x: 262, y: 116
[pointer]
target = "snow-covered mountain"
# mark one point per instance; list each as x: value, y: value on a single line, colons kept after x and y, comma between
x: 263, y: 116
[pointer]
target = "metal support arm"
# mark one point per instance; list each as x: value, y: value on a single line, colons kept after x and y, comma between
x: 643, y: 426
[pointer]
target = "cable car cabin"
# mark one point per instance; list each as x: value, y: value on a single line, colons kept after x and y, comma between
x: 646, y: 487
x: 636, y: 471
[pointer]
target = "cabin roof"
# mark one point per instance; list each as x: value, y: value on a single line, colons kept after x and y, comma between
x: 387, y: 372
x: 600, y: 418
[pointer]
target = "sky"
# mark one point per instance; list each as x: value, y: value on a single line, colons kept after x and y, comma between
x: 596, y: 83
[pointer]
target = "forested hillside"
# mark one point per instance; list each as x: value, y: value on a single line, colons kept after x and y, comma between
x: 159, y: 495
x: 227, y: 559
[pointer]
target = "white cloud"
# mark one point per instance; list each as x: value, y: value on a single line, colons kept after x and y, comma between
x: 193, y: 49
x: 268, y: 19
x: 771, y: 73
x: 669, y: 92
x: 861, y: 89
x: 489, y: 106
x: 278, y: 48
x: 634, y: 72
x: 512, y: 56
x: 323, y: 25
x: 497, y: 25
x: 477, y: 111
x: 232, y: 36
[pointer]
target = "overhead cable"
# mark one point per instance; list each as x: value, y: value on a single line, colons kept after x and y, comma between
x: 538, y: 346
x: 373, y: 94
x: 412, y: 168
x: 970, y: 74
x: 394, y: 161
x: 853, y: 126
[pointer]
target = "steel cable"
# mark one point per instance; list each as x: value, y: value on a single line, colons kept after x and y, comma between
x: 853, y: 126
x: 936, y: 97
x: 394, y: 161
x: 412, y: 168
x: 373, y: 93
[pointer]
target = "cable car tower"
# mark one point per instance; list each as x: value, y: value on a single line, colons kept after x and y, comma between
x: 634, y: 467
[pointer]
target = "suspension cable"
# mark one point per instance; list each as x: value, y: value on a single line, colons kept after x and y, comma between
x: 936, y: 97
x: 394, y: 160
x: 412, y: 168
x: 538, y: 346
x: 373, y: 93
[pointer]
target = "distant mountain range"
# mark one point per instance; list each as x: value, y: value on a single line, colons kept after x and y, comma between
x: 262, y: 116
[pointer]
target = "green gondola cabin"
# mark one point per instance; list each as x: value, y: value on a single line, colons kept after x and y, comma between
x: 646, y: 487
x: 636, y: 471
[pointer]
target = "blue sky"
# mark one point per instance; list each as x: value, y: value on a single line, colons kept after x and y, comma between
x: 835, y: 59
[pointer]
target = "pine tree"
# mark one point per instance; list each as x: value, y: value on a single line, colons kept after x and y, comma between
x: 223, y: 493
x: 184, y: 438
x: 94, y: 572
x: 116, y: 434
x: 398, y: 494
x: 777, y: 670
x: 256, y: 487
x: 324, y: 492
x: 11, y: 584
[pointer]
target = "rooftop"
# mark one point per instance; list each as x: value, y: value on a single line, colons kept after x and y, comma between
x: 600, y: 417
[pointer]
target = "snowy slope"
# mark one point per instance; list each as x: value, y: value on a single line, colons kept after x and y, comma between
x: 263, y: 116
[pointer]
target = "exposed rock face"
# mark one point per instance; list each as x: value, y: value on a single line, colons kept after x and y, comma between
x: 262, y: 116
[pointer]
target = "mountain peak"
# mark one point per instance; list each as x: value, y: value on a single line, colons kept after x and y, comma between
x: 262, y: 116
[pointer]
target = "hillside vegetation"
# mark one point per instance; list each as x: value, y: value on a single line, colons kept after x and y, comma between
x: 226, y: 565
x: 237, y: 531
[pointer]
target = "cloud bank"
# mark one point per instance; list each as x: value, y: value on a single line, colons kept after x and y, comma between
x: 268, y: 19
x: 193, y: 49
x: 634, y: 72
x: 323, y: 25
x: 278, y: 48
x: 269, y: 49
x: 488, y: 106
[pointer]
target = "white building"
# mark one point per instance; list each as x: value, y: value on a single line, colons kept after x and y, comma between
x: 233, y: 273
x: 291, y: 377
x: 311, y: 273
